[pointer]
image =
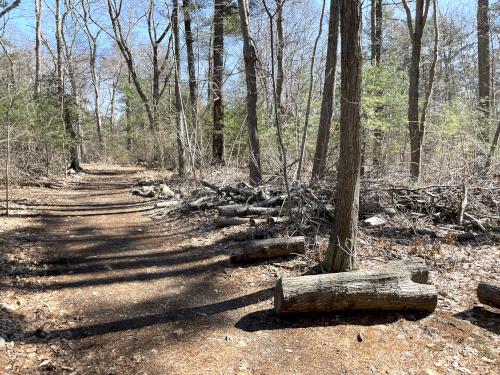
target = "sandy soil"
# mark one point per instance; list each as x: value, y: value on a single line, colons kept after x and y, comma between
x: 92, y: 285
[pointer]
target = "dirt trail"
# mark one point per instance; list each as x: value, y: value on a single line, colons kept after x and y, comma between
x: 129, y: 295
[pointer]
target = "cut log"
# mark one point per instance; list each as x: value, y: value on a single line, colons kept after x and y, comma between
x: 251, y: 210
x: 274, y: 201
x: 242, y: 210
x: 254, y: 221
x: 276, y: 220
x: 269, y: 248
x: 396, y: 286
x: 222, y: 222
x: 232, y: 210
x: 488, y: 293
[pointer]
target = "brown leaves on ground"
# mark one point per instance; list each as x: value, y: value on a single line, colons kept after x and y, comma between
x: 91, y: 284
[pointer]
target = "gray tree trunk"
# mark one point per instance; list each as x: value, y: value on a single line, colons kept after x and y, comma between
x: 341, y: 253
x: 325, y: 120
x: 181, y: 167
x: 484, y: 68
x: 217, y: 83
x: 251, y: 81
x: 416, y: 30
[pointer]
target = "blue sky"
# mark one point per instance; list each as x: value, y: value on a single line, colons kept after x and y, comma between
x: 22, y: 18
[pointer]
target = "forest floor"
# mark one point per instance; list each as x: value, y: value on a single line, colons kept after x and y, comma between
x: 91, y: 283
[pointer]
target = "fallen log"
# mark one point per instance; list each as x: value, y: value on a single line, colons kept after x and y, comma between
x: 396, y: 286
x: 254, y: 221
x: 251, y: 210
x: 232, y: 210
x: 222, y: 222
x: 488, y: 293
x: 269, y: 248
x: 242, y: 210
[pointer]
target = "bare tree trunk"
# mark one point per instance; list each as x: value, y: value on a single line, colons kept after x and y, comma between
x: 95, y: 84
x: 128, y: 118
x: 7, y: 171
x: 376, y: 45
x: 114, y: 89
x: 38, y: 42
x: 276, y: 98
x: 114, y: 11
x: 341, y: 253
x: 309, y: 96
x: 178, y: 99
x: 484, y: 68
x: 280, y: 77
x: 493, y: 148
x: 414, y: 125
x: 65, y: 111
x: 325, y: 120
x: 432, y: 73
x: 217, y: 83
x: 193, y: 85
x: 251, y: 81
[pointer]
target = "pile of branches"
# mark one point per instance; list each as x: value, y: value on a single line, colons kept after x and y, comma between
x: 460, y: 205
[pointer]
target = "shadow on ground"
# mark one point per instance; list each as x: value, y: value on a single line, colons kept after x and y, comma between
x: 483, y: 318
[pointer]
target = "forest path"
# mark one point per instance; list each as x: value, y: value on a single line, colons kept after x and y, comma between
x: 121, y: 293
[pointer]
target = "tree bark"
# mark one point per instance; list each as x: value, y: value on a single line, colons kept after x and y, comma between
x: 493, y: 148
x: 74, y: 148
x: 416, y: 30
x: 269, y: 248
x: 488, y: 293
x: 341, y: 253
x: 278, y: 81
x: 38, y: 42
x: 432, y: 73
x: 92, y: 40
x: 351, y: 291
x: 193, y: 85
x: 251, y: 81
x: 242, y: 210
x: 325, y: 120
x: 178, y: 98
x: 217, y: 83
x: 309, y: 95
x: 280, y: 76
x: 376, y: 57
x: 222, y: 222
x: 484, y: 68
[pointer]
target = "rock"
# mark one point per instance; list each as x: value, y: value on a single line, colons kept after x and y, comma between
x: 3, y: 343
x: 179, y: 332
x: 145, y: 191
x: 7, y: 308
x: 390, y: 211
x: 165, y: 192
x: 360, y: 337
x: 375, y: 221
